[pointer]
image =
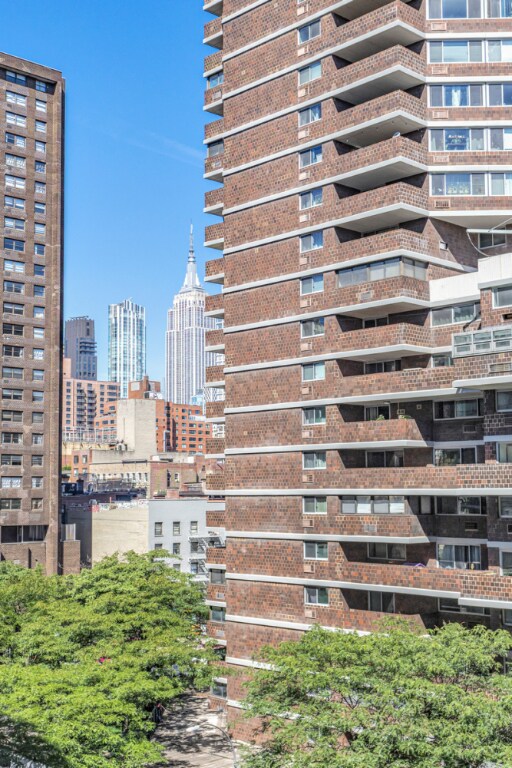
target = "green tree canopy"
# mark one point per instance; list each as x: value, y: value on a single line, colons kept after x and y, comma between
x: 393, y: 699
x: 84, y: 659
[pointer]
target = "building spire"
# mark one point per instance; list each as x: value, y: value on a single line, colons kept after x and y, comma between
x: 191, y: 278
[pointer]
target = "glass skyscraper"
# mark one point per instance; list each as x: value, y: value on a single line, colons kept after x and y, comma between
x: 126, y: 343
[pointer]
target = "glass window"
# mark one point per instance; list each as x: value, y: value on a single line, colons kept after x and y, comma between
x: 451, y: 315
x: 459, y: 556
x: 215, y: 80
x: 311, y: 416
x: 309, y: 73
x: 314, y: 460
x: 457, y: 409
x: 384, y: 458
x: 382, y: 551
x: 317, y: 505
x: 309, y: 31
x: 450, y: 457
x: 311, y: 328
x: 454, y: 9
x: 159, y: 529
x: 500, y: 94
x: 455, y: 51
x: 215, y: 148
x: 15, y: 98
x: 490, y: 240
x: 383, y: 602
x: 217, y: 614
x: 15, y: 77
x: 312, y: 284
x: 313, y: 372
x: 311, y: 242
x: 311, y: 199
x: 13, y: 119
x: 310, y: 157
x: 310, y: 114
x: 499, y: 9
x: 316, y: 550
x: 502, y: 297
x: 40, y: 126
x: 217, y: 576
x: 14, y: 202
x: 176, y: 529
x: 316, y: 596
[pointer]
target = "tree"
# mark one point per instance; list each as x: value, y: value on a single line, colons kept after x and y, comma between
x: 84, y: 659
x: 394, y: 699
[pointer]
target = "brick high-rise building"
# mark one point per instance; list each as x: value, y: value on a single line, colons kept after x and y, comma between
x: 32, y: 118
x: 83, y: 402
x: 367, y: 302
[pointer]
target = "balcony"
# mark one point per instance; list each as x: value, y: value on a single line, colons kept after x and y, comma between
x: 395, y: 294
x: 469, y: 479
x: 214, y: 271
x: 213, y: 34
x: 384, y: 343
x: 380, y: 119
x: 214, y: 201
x: 399, y: 528
x: 213, y: 62
x: 215, y: 375
x: 394, y: 24
x: 215, y: 482
x: 390, y: 70
x: 214, y: 341
x: 383, y: 207
x: 214, y: 236
x: 214, y: 305
x: 215, y: 446
x: 213, y: 129
x: 353, y: 9
x: 213, y: 167
x: 213, y: 101
x: 216, y: 556
x: 215, y: 408
x: 398, y: 158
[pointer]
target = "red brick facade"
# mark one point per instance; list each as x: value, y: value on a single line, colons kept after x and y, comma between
x: 368, y: 425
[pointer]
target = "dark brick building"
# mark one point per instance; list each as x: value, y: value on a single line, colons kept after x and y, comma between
x: 361, y: 152
x: 32, y: 118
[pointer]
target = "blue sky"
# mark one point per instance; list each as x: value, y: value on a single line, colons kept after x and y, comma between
x: 134, y: 153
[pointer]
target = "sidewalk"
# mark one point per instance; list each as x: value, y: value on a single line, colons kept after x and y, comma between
x: 205, y: 749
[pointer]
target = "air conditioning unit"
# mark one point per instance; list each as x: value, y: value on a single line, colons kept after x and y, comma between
x: 307, y: 433
x: 440, y: 114
x: 305, y: 390
x: 308, y: 523
x: 471, y: 526
x: 304, y: 133
x: 307, y: 478
x: 304, y: 175
x: 306, y: 346
x: 304, y: 261
x: 304, y: 217
x: 438, y: 26
x: 442, y: 204
x: 310, y: 613
x: 439, y: 69
x: 220, y: 596
x: 401, y: 412
x: 469, y: 429
x: 309, y: 567
x: 305, y: 302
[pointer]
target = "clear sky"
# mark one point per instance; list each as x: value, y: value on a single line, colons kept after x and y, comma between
x: 134, y: 153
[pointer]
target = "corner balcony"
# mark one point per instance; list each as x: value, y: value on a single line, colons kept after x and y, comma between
x: 353, y: 9
x: 214, y: 271
x: 215, y: 408
x: 214, y: 236
x: 213, y: 129
x: 214, y: 201
x: 215, y: 375
x: 214, y: 340
x: 398, y: 529
x: 213, y: 6
x: 212, y: 62
x: 377, y: 165
x: 381, y: 118
x: 215, y: 446
x: 394, y: 24
x: 213, y: 167
x: 391, y: 70
x: 471, y: 211
x: 213, y: 101
x: 213, y: 33
x: 480, y: 479
x: 386, y: 342
x: 384, y: 207
x: 395, y: 294
x: 215, y: 482
x: 214, y: 305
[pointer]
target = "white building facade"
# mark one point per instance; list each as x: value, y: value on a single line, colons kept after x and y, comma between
x: 126, y: 343
x: 185, y: 356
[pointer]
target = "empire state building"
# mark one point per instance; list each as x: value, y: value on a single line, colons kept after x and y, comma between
x: 185, y: 358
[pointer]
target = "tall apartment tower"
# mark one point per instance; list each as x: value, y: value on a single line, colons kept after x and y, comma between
x: 126, y: 343
x: 80, y: 348
x: 185, y: 359
x: 363, y: 149
x: 32, y: 117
